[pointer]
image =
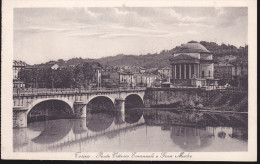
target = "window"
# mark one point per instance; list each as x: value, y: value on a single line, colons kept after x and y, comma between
x: 209, y: 73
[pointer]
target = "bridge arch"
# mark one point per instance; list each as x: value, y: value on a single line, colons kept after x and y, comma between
x: 137, y: 94
x: 134, y: 94
x: 100, y: 103
x: 134, y: 100
x: 38, y: 101
x: 96, y: 96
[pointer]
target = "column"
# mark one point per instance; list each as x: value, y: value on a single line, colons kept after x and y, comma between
x: 198, y: 73
x: 120, y: 108
x: 189, y: 71
x: 20, y: 117
x: 174, y: 71
x: 180, y: 71
x: 195, y: 70
x: 80, y: 110
x: 185, y: 71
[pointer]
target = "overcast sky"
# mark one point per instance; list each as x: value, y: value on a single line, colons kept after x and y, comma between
x: 43, y: 34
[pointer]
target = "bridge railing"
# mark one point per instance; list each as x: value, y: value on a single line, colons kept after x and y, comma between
x: 47, y: 91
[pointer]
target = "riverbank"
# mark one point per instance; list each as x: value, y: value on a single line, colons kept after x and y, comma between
x: 214, y: 100
x: 195, y: 117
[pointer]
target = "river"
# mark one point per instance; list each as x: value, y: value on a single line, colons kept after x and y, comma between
x: 136, y: 130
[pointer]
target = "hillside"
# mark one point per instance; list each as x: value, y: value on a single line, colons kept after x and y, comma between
x: 146, y: 61
x: 162, y: 59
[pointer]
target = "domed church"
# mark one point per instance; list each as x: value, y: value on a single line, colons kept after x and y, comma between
x: 192, y: 65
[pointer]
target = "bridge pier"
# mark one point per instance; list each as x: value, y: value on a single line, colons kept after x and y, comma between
x: 80, y: 126
x: 120, y: 108
x: 80, y: 109
x: 19, y: 117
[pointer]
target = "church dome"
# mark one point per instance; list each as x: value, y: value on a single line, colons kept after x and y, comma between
x: 192, y: 47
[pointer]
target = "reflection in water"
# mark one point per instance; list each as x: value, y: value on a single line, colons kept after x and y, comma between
x: 221, y: 134
x: 49, y: 110
x: 125, y: 131
x: 133, y: 115
x: 20, y: 137
x: 189, y: 138
x: 239, y: 133
x: 99, y: 121
x: 54, y: 130
x: 100, y: 104
x: 80, y: 126
x: 133, y: 108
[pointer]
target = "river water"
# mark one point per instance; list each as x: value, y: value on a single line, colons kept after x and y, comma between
x: 133, y: 131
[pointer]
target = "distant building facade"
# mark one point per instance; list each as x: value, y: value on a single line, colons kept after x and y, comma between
x: 18, y: 65
x: 192, y: 64
x: 145, y: 79
x: 110, y: 79
x: 126, y: 79
x: 97, y: 68
x: 165, y: 71
x: 223, y: 71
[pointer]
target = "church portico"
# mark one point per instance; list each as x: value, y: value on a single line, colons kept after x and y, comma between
x: 192, y: 62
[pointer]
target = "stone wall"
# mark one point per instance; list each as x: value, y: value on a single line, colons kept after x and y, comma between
x: 196, y: 97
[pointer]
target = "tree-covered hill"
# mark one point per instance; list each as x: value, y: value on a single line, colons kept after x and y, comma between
x: 161, y: 59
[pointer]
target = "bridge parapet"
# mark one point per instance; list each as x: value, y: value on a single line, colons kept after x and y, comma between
x: 76, y: 99
x: 46, y: 91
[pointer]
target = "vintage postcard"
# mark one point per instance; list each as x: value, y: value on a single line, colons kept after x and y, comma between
x: 123, y: 80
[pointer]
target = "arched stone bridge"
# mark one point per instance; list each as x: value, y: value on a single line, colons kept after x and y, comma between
x: 25, y: 100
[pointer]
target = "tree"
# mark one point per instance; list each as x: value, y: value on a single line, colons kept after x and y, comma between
x: 233, y: 83
x: 221, y: 82
x: 244, y: 82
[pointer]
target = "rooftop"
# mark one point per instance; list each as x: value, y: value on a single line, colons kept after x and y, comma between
x: 183, y: 57
x: 224, y: 64
x: 19, y: 63
x: 192, y: 47
x: 165, y: 68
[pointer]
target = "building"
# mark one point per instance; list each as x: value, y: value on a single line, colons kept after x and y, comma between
x: 111, y: 68
x: 239, y: 69
x: 192, y: 65
x: 223, y: 71
x: 166, y: 71
x: 152, y: 70
x: 236, y: 71
x: 228, y: 58
x: 244, y: 68
x: 17, y: 66
x: 105, y: 76
x: 97, y: 68
x: 145, y: 79
x: 151, y: 79
x: 140, y: 79
x: 133, y: 69
x: 110, y: 79
x: 142, y: 70
x: 126, y: 79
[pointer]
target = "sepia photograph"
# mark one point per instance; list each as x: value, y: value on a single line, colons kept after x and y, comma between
x: 131, y: 82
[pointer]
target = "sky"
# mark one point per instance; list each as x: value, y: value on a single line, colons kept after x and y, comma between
x: 44, y: 34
